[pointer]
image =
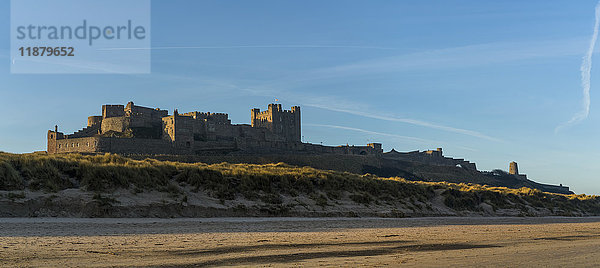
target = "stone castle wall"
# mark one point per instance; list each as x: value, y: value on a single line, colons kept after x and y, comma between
x: 116, y: 124
x: 74, y: 145
x: 432, y: 157
x: 135, y: 146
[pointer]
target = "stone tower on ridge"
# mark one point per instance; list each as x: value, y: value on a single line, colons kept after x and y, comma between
x: 513, y: 168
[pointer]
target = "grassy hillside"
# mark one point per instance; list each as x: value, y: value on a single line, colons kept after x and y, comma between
x: 362, y: 164
x: 270, y: 184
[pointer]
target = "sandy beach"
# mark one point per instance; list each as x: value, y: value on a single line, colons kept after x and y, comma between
x: 479, y: 241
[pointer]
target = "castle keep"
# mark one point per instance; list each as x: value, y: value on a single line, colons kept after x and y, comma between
x: 133, y: 129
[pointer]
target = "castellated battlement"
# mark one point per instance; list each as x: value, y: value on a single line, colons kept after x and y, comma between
x: 132, y: 129
x: 217, y: 118
x: 113, y: 111
x: 132, y: 110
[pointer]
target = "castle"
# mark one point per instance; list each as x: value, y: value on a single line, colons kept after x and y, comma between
x: 133, y: 129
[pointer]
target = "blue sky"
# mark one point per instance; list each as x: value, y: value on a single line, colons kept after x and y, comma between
x: 488, y: 81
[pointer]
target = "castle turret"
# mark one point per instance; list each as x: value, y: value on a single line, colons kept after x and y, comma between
x: 52, y: 138
x: 254, y: 117
x: 94, y: 120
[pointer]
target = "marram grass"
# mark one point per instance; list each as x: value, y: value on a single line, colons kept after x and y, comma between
x: 105, y: 173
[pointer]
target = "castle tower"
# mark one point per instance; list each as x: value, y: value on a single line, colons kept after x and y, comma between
x: 254, y: 117
x: 52, y: 138
x: 296, y: 124
x: 284, y: 123
x: 513, y: 168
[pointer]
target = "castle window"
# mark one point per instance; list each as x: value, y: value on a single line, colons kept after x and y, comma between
x: 60, y: 146
x: 72, y: 144
x: 88, y: 144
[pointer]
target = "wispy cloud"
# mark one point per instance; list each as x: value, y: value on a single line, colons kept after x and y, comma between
x: 54, y: 65
x: 74, y: 66
x: 586, y: 69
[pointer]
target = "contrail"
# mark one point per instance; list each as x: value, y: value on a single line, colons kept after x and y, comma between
x: 414, y: 139
x: 406, y: 120
x: 586, y: 68
x: 256, y: 46
x: 372, y: 132
x: 325, y: 104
